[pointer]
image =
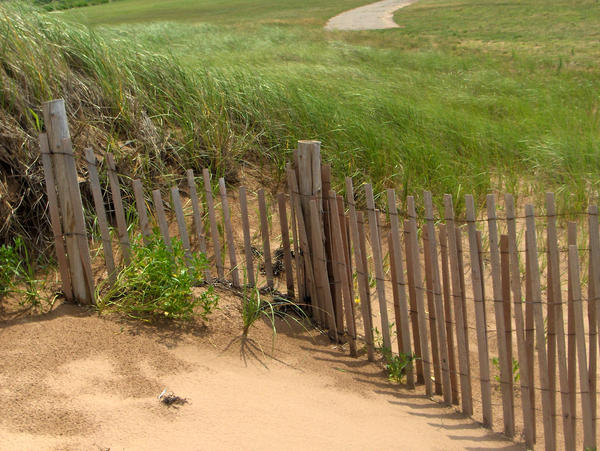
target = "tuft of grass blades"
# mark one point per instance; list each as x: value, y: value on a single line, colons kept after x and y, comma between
x: 159, y: 284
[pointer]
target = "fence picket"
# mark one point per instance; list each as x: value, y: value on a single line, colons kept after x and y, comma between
x: 420, y: 301
x: 119, y: 211
x: 235, y: 275
x: 505, y: 364
x: 462, y: 337
x: 589, y: 441
x: 536, y: 299
x: 556, y: 299
x: 285, y: 242
x: 214, y: 230
x: 447, y: 297
x: 109, y: 259
x: 482, y: 344
x: 179, y: 216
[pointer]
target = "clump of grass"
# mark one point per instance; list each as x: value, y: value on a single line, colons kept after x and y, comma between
x: 255, y: 306
x: 18, y: 274
x: 159, y: 284
x: 397, y: 365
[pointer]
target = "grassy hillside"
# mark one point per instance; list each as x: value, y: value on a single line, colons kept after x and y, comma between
x: 465, y: 97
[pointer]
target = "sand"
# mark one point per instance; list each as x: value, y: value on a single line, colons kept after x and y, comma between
x: 71, y: 380
x: 375, y: 16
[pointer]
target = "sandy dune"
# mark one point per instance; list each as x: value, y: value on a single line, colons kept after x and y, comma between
x: 73, y: 381
x: 375, y: 16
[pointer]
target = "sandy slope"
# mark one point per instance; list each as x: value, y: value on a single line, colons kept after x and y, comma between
x: 73, y: 381
x: 375, y: 16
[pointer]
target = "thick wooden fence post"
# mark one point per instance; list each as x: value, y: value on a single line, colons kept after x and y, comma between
x: 59, y: 243
x: 69, y: 200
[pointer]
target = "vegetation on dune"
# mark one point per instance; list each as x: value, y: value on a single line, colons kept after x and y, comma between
x: 446, y: 103
x: 159, y: 283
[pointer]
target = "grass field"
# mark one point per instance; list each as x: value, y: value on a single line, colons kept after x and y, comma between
x: 465, y: 97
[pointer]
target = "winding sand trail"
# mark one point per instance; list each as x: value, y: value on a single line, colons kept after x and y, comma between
x: 70, y: 380
x: 375, y: 16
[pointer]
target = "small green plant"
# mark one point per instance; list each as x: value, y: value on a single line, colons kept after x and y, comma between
x: 159, y: 284
x: 10, y: 268
x: 18, y: 274
x: 255, y: 306
x: 397, y: 365
x: 515, y: 369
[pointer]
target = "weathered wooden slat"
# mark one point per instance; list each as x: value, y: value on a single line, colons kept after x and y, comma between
x: 482, y: 343
x: 285, y: 241
x: 251, y: 280
x: 447, y: 297
x: 508, y: 409
x: 198, y: 223
x: 59, y: 244
x: 589, y: 441
x: 414, y: 315
x: 264, y: 231
x: 179, y: 216
x: 556, y: 299
x: 115, y: 189
x: 235, y: 275
x: 161, y: 218
x: 524, y: 362
x: 549, y: 434
x: 320, y: 269
x: 456, y: 270
x: 437, y: 298
x: 401, y: 307
x: 214, y: 230
x: 378, y: 264
x: 361, y: 268
x: 420, y: 301
x: 109, y: 259
x: 140, y: 205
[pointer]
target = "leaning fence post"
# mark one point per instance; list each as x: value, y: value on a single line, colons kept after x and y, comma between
x: 118, y: 204
x: 59, y: 244
x: 69, y: 199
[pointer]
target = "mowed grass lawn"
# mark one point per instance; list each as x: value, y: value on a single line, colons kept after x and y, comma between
x: 466, y: 96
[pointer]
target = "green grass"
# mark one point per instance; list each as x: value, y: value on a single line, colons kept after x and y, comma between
x: 466, y: 97
x: 158, y: 284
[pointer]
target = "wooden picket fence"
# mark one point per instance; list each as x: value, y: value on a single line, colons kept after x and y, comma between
x: 438, y: 280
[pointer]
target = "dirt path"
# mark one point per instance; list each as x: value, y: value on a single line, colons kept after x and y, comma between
x: 73, y: 381
x: 375, y: 16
